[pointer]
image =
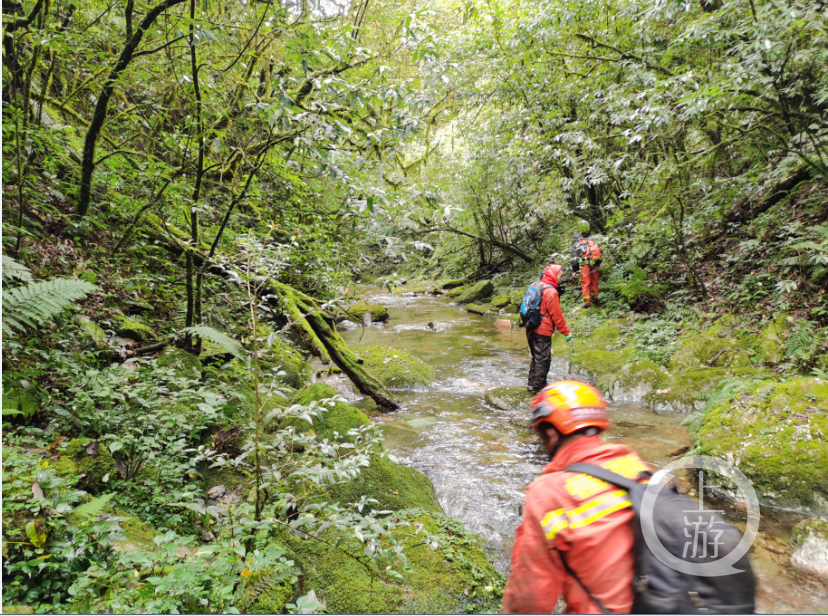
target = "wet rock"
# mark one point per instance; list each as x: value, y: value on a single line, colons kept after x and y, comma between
x: 216, y: 492
x: 508, y: 398
x: 395, y: 368
x: 477, y: 308
x: 499, y: 301
x: 811, y: 554
x: 453, y: 284
x: 506, y: 324
x: 479, y: 291
x: 356, y: 312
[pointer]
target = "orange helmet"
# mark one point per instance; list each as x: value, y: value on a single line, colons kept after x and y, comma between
x: 570, y: 406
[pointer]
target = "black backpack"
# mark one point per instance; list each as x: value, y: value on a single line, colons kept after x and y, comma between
x: 659, y: 589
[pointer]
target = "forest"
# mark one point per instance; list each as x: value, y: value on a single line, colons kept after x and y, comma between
x: 210, y: 209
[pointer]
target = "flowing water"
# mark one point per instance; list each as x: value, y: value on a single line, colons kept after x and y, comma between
x: 480, y: 458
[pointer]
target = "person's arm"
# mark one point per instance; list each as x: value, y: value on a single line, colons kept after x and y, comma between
x: 552, y: 307
x: 535, y: 581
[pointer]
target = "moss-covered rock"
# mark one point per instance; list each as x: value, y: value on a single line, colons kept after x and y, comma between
x: 134, y: 330
x: 338, y: 418
x: 479, y: 291
x: 717, y: 346
x: 776, y: 434
x: 138, y: 535
x: 636, y: 380
x: 508, y: 398
x: 356, y: 312
x: 286, y: 363
x: 394, y: 368
x: 456, y: 578
x: 478, y: 308
x: 499, y: 301
x: 772, y: 343
x: 185, y: 364
x: 454, y: 283
x: 267, y: 593
x: 90, y: 461
x: 810, y: 556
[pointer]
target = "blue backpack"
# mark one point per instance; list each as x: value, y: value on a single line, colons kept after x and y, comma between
x: 530, y: 312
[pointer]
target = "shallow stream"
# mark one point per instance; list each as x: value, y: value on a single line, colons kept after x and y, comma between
x: 480, y: 458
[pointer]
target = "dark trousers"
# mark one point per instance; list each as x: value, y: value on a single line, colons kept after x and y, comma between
x: 541, y: 349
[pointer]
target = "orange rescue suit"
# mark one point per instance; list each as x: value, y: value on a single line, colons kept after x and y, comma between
x: 586, y: 520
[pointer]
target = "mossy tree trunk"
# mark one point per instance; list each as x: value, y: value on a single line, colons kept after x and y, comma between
x: 309, y: 320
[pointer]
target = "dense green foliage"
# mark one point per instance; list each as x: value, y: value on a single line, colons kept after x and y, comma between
x: 182, y: 180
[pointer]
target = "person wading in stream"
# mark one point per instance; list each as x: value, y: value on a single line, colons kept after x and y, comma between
x: 586, y: 260
x: 551, y: 319
x: 575, y: 539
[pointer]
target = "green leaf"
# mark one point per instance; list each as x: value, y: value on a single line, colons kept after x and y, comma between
x: 36, y: 533
x: 216, y: 337
x: 93, y: 507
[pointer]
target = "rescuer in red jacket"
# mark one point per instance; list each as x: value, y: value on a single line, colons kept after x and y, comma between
x: 575, y: 539
x: 552, y: 318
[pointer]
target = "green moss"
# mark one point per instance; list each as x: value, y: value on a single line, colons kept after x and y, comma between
x: 716, y: 344
x: 508, y: 398
x: 479, y: 308
x: 18, y: 609
x: 280, y: 358
x: 452, y: 579
x: 637, y: 379
x: 776, y: 434
x: 395, y: 368
x: 267, y: 593
x: 771, y: 342
x: 809, y: 526
x: 135, y: 330
x: 477, y: 292
x: 186, y: 364
x: 138, y: 535
x: 356, y: 312
x: 395, y: 487
x: 499, y: 301
x: 89, y: 469
x: 338, y: 418
x: 599, y: 363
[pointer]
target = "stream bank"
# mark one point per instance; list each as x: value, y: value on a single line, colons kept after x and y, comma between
x: 467, y: 429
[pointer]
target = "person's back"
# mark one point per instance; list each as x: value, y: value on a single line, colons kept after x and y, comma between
x: 575, y: 539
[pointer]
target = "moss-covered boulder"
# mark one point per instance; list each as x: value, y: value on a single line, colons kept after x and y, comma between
x: 636, y: 380
x: 453, y: 579
x: 454, y: 283
x: 356, y: 312
x: 393, y: 485
x: 810, y: 540
x: 394, y: 368
x: 499, y: 301
x: 185, y: 364
x: 267, y: 593
x: 478, y: 308
x: 284, y: 362
x: 135, y: 330
x: 90, y: 461
x: 717, y: 346
x: 508, y: 398
x: 480, y: 290
x: 338, y: 418
x: 776, y: 435
x: 772, y: 342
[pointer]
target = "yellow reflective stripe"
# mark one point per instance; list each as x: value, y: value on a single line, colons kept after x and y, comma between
x: 553, y: 522
x: 598, y: 508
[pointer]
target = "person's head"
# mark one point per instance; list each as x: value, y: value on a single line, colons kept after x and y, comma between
x: 565, y: 411
x: 552, y: 274
x: 576, y: 236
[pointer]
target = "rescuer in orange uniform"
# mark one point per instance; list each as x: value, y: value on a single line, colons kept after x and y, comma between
x: 552, y: 319
x: 586, y: 258
x: 575, y: 539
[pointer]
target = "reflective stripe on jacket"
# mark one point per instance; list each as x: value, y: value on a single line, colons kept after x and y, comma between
x: 588, y: 521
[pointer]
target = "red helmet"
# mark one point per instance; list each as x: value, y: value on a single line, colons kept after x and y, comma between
x: 570, y: 406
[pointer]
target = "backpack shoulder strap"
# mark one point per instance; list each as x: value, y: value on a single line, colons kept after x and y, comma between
x: 604, y: 474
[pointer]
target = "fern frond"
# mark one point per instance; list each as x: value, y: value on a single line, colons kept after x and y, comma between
x: 36, y: 303
x: 17, y: 401
x: 12, y: 270
x: 93, y: 507
x: 209, y: 334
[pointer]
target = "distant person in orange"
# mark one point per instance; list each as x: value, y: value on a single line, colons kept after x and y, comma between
x: 575, y: 539
x: 586, y: 257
